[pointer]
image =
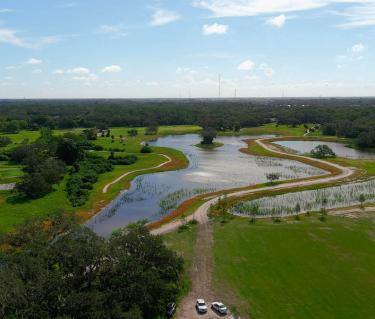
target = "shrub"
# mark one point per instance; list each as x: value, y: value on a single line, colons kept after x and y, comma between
x: 83, y: 175
x: 122, y: 160
x: 322, y: 151
x: 4, y: 157
x: 146, y: 149
x: 4, y: 141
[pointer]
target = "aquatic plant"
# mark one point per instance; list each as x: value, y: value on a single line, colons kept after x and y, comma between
x: 312, y: 200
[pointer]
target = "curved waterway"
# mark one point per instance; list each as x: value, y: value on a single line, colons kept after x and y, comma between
x: 340, y: 149
x: 152, y: 196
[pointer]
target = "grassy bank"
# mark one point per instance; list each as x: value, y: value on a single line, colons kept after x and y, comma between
x: 183, y: 243
x: 305, y: 269
x: 14, y: 210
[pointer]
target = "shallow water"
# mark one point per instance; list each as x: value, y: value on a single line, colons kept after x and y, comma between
x: 152, y: 196
x: 312, y: 200
x: 340, y: 149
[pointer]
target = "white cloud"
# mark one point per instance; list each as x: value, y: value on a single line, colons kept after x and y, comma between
x: 358, y: 48
x: 4, y: 10
x: 112, y: 69
x: 357, y: 13
x: 162, y: 17
x: 182, y: 70
x: 78, y: 70
x: 34, y: 61
x: 361, y: 15
x: 266, y: 69
x: 113, y: 30
x: 12, y: 67
x: 10, y: 36
x: 240, y: 8
x: 86, y: 78
x: 278, y: 21
x: 209, y: 29
x: 246, y: 65
x: 59, y: 71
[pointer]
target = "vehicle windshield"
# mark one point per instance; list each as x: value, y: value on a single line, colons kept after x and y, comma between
x: 201, y: 303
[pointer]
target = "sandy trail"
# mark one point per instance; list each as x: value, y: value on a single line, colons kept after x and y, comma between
x: 106, y: 187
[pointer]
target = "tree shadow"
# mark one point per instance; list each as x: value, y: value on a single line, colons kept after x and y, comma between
x: 17, y: 199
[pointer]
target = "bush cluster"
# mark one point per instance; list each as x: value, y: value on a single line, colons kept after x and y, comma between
x: 82, y: 177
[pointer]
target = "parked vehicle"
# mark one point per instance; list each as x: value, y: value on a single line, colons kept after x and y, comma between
x: 219, y: 307
x: 171, y: 309
x: 201, y: 306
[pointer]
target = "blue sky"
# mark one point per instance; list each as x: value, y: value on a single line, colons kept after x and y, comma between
x: 178, y: 48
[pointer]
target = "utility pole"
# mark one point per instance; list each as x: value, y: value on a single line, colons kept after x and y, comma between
x: 219, y: 85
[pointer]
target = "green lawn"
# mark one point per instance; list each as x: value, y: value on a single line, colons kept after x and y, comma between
x: 305, y: 269
x: 274, y: 129
x: 183, y: 244
x: 13, y: 210
x: 9, y: 173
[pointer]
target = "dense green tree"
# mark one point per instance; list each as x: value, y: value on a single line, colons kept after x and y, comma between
x: 322, y: 151
x: 208, y: 135
x: 69, y: 151
x: 4, y: 141
x: 56, y: 269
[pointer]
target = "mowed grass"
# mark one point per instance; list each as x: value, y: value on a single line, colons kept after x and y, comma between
x: 14, y: 210
x: 305, y: 269
x: 183, y: 244
x: 9, y: 173
x: 273, y: 129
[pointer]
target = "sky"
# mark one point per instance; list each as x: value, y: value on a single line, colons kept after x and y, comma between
x: 181, y: 48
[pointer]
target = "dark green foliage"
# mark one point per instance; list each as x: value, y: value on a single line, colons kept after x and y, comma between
x: 146, y: 149
x: 84, y: 174
x: 322, y: 151
x: 4, y: 157
x: 122, y: 160
x: 152, y: 129
x: 40, y: 177
x: 91, y: 134
x: 133, y: 132
x: 272, y: 177
x: 366, y: 139
x: 69, y: 151
x: 57, y: 269
x: 4, y: 141
x: 20, y: 153
x: 208, y: 135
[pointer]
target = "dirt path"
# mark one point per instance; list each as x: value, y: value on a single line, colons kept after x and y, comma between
x: 7, y: 187
x: 106, y: 187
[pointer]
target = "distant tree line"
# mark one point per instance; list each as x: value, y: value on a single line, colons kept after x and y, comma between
x: 346, y: 117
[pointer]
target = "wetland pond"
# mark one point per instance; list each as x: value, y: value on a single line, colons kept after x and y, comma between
x: 152, y: 196
x: 340, y: 149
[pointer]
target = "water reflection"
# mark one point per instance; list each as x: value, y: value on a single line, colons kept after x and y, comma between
x: 153, y: 195
x: 340, y: 149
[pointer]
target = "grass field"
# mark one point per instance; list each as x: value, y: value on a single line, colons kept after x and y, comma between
x: 305, y: 269
x: 274, y: 129
x: 9, y: 173
x: 14, y: 210
x: 183, y: 243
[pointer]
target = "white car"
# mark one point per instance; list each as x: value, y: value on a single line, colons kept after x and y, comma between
x: 200, y: 305
x: 219, y: 307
